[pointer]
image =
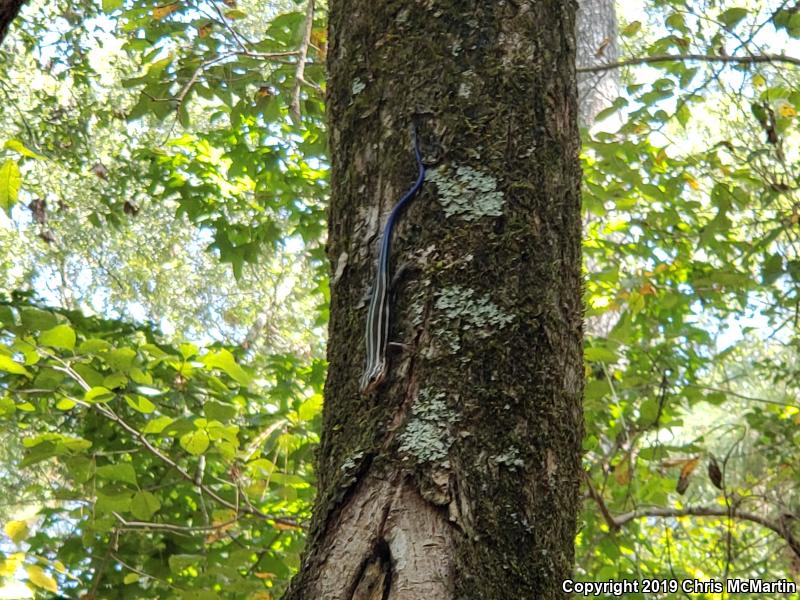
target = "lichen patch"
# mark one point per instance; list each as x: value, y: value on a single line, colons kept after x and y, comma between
x: 466, y: 192
x: 427, y: 436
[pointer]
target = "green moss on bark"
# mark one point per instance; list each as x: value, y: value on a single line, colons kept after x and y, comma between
x: 485, y: 394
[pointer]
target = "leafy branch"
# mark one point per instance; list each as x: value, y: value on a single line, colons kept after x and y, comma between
x: 107, y: 412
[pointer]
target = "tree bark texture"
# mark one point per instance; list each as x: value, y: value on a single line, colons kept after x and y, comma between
x: 458, y: 478
x: 597, y: 44
x: 8, y: 12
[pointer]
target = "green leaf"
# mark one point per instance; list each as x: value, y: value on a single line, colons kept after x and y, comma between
x: 98, y: 394
x: 113, y: 502
x: 225, y: 361
x: 9, y: 366
x: 10, y: 182
x: 141, y: 377
x: 188, y: 350
x: 60, y: 336
x: 157, y: 425
x: 732, y: 16
x: 219, y: 411
x: 596, y: 354
x: 632, y: 28
x: 33, y: 318
x: 120, y: 359
x: 195, y: 442
x: 123, y: 472
x: 130, y: 578
x: 89, y: 375
x: 310, y: 408
x: 115, y: 381
x: 140, y: 404
x: 111, y: 5
x: 144, y: 505
x: 93, y: 346
x: 66, y: 404
x: 179, y: 562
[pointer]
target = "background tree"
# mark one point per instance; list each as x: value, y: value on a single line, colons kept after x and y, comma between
x: 8, y: 12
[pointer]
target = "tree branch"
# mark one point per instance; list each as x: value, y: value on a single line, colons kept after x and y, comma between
x: 780, y: 527
x: 710, y: 58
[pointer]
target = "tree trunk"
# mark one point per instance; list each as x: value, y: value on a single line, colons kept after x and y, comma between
x: 8, y: 12
x: 597, y: 44
x: 459, y: 477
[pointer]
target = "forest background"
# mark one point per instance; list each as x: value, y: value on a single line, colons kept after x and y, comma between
x: 164, y: 295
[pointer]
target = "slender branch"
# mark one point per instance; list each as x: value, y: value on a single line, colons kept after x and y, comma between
x: 143, y: 573
x: 781, y: 528
x: 294, y: 106
x: 609, y: 519
x: 711, y: 58
x: 170, y: 527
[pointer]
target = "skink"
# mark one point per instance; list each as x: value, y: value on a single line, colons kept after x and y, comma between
x: 377, y: 334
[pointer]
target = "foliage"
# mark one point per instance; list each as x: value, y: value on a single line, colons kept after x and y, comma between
x: 163, y: 165
x: 692, y: 294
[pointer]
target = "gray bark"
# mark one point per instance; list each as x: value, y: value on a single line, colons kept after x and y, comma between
x: 597, y: 36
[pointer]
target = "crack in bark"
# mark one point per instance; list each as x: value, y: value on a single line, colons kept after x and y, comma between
x: 374, y: 581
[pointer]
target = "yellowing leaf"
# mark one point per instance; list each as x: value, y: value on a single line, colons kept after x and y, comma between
x: 195, y: 442
x: 159, y: 12
x: 9, y: 366
x: 10, y: 182
x: 693, y: 183
x: 20, y: 148
x: 759, y: 81
x: 786, y: 110
x: 622, y: 471
x: 41, y: 579
x: 8, y: 566
x: 16, y: 530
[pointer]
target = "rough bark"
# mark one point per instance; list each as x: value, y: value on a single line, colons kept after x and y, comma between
x: 459, y: 478
x: 597, y: 44
x: 8, y: 12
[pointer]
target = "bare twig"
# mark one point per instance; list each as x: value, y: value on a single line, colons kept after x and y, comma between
x: 146, y: 525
